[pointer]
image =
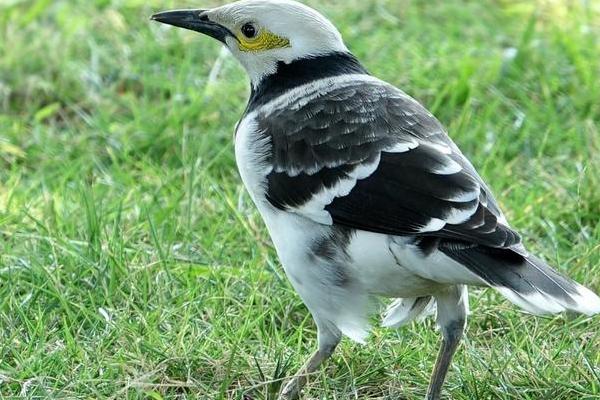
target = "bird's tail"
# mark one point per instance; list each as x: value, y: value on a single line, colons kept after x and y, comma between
x: 527, y: 281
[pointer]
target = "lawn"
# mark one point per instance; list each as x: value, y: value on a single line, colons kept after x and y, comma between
x: 134, y: 265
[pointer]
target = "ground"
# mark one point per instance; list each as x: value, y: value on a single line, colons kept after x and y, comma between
x: 133, y: 264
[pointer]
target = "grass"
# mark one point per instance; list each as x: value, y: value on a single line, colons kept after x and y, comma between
x: 133, y: 265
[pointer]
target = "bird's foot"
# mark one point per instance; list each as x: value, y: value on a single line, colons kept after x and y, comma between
x: 291, y: 390
x: 430, y: 396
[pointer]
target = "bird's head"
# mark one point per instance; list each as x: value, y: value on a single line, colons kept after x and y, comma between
x: 262, y: 33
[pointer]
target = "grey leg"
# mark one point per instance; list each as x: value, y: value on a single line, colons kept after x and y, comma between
x: 452, y: 309
x: 329, y: 337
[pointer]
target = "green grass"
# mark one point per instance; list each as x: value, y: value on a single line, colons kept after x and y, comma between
x: 133, y: 264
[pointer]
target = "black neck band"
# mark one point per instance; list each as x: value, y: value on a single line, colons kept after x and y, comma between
x: 300, y: 72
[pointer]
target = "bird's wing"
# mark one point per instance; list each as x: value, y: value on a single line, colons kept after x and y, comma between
x: 365, y: 155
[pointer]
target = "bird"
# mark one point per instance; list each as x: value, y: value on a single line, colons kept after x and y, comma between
x: 363, y: 192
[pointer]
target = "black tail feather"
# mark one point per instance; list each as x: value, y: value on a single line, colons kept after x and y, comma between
x: 524, y: 279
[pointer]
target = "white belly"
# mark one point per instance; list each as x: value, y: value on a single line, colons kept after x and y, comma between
x: 381, y: 271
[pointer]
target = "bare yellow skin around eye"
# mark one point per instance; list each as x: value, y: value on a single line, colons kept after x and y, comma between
x: 265, y: 40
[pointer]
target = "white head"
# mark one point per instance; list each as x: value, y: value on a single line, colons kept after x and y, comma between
x: 261, y: 33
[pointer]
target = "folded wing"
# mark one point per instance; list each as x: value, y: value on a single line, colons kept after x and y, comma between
x: 365, y: 155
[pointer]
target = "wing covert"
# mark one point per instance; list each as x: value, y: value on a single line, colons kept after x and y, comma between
x: 365, y: 155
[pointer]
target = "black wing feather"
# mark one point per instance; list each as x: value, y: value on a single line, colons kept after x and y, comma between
x: 322, y: 142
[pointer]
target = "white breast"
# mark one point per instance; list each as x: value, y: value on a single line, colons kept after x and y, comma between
x: 251, y: 152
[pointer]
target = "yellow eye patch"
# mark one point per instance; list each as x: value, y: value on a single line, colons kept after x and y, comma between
x: 265, y: 40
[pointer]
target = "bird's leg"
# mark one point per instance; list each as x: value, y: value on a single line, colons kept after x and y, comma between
x: 329, y: 337
x: 452, y: 309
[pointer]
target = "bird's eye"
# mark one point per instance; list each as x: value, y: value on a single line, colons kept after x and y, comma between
x: 249, y: 30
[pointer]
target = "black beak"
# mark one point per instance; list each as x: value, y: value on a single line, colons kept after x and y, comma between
x: 195, y: 20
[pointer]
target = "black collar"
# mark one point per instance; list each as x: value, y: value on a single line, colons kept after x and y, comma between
x: 300, y: 72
